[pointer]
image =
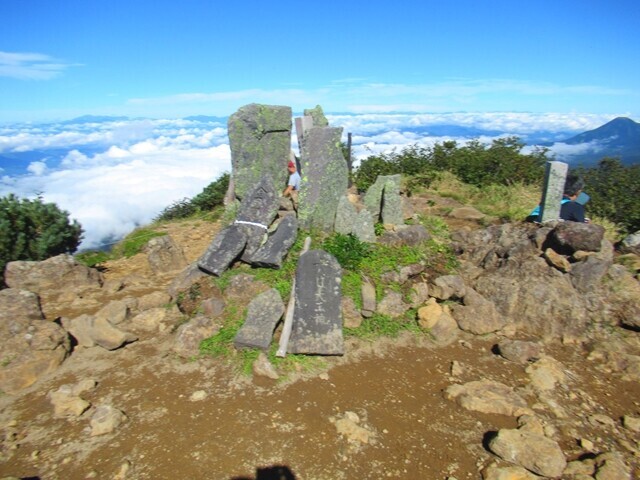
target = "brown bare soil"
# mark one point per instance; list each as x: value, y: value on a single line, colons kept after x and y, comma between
x: 202, y: 419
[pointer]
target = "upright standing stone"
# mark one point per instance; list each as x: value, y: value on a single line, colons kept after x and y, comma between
x: 554, y: 178
x: 364, y: 228
x: 319, y: 120
x: 346, y: 214
x: 275, y: 249
x: 324, y: 178
x: 260, y: 142
x: 263, y: 314
x: 348, y: 220
x: 392, y: 201
x: 373, y: 198
x: 383, y: 200
x: 317, y: 315
x: 302, y: 125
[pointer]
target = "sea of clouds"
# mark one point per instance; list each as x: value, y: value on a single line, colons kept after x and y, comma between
x: 115, y: 175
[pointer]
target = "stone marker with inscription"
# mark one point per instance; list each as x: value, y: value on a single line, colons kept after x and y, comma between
x: 317, y: 315
x: 555, y: 176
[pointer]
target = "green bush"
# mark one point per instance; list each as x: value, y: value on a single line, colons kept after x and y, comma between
x: 212, y: 196
x: 34, y: 230
x: 348, y: 250
x: 614, y: 189
x: 134, y: 242
x: 501, y: 163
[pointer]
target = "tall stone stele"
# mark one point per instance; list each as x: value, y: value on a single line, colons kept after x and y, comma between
x: 325, y: 175
x: 260, y: 142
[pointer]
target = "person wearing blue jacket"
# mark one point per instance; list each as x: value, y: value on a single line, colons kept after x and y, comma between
x: 572, y: 203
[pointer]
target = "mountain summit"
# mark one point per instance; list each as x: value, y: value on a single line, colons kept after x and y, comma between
x: 618, y: 138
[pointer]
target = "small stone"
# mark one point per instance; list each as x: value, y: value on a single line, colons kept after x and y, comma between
x: 456, y: 368
x: 106, y: 419
x: 587, y: 445
x: 262, y: 367
x: 198, y: 396
x: 631, y: 423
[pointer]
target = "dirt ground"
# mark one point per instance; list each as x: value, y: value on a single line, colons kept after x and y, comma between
x: 377, y: 412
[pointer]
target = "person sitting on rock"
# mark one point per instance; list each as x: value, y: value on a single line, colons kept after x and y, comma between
x: 293, y: 186
x: 572, y: 203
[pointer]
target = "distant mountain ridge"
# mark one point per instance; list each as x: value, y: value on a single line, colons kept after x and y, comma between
x: 618, y: 138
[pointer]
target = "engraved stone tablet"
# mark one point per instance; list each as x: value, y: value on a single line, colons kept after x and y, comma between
x: 317, y: 315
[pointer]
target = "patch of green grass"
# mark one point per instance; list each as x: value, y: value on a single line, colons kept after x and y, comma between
x: 91, y: 258
x: 221, y: 344
x: 135, y: 241
x: 380, y: 325
x: 348, y: 250
x: 352, y: 287
x: 294, y: 363
x: 436, y: 226
x: 247, y: 357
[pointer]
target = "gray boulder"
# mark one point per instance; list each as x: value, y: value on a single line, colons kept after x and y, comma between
x: 90, y: 331
x: 383, y: 200
x: 164, y: 255
x: 55, y: 273
x: 30, y: 347
x: 411, y: 235
x: 631, y: 244
x: 574, y: 236
x: 535, y: 452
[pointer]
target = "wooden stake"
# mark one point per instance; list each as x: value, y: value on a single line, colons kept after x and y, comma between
x: 288, y: 318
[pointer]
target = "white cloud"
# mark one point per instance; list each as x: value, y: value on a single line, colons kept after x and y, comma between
x: 136, y: 168
x: 30, y: 66
x: 564, y: 150
x: 124, y: 185
x: 37, y: 168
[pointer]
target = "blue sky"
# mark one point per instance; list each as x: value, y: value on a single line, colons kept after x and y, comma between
x: 162, y: 59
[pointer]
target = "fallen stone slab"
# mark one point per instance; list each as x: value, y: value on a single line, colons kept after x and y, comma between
x: 263, y: 314
x: 225, y: 248
x: 277, y: 246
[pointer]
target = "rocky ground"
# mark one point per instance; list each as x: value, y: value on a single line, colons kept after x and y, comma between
x: 499, y: 405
